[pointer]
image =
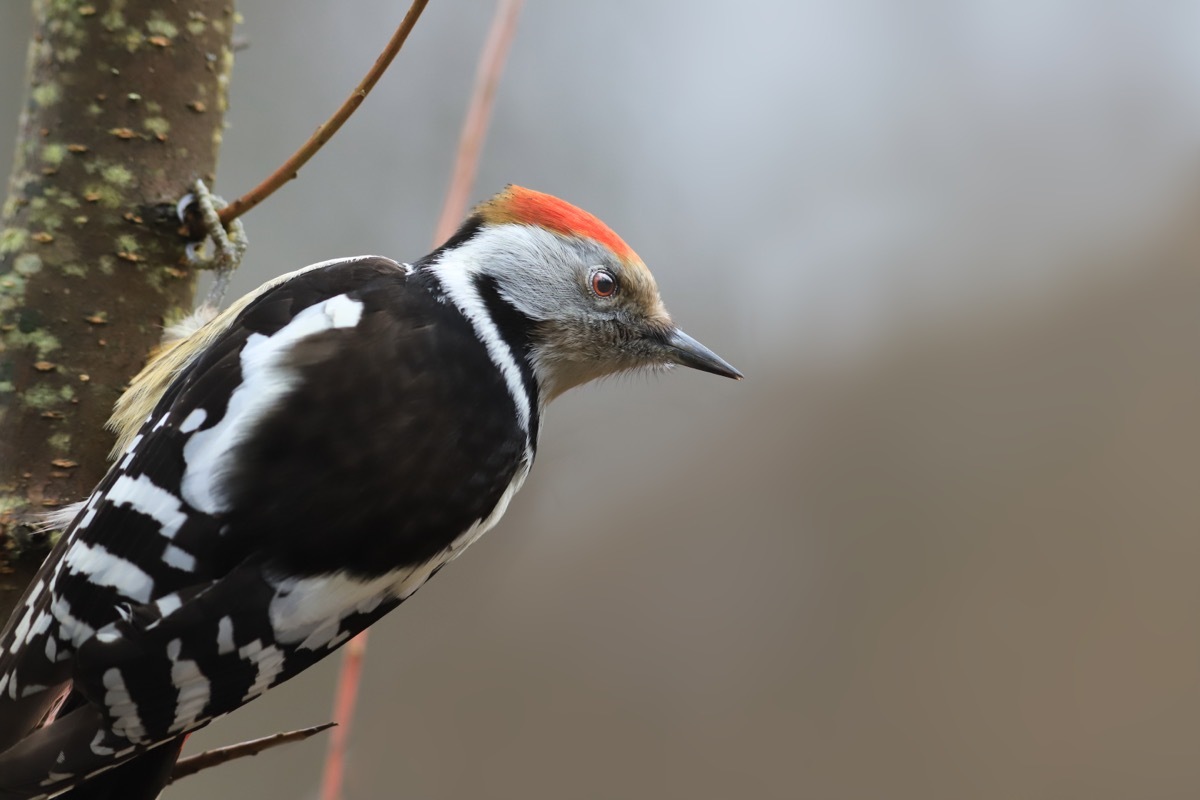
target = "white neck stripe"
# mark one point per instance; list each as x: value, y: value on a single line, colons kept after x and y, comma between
x: 457, y: 278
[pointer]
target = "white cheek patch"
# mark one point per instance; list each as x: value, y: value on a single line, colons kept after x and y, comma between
x: 265, y: 381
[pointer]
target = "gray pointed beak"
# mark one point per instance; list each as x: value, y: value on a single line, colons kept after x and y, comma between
x: 686, y: 351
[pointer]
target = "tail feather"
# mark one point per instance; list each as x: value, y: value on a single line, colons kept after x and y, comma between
x: 140, y: 778
x: 33, y: 767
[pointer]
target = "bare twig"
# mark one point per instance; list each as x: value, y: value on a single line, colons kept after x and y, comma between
x: 487, y: 77
x: 325, y: 132
x: 479, y: 112
x: 211, y: 758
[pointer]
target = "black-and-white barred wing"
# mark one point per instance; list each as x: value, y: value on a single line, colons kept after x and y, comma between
x: 149, y: 553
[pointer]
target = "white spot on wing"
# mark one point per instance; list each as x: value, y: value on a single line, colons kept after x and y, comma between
x: 143, y: 496
x: 269, y: 663
x: 180, y: 559
x: 168, y: 604
x: 106, y: 569
x: 225, y: 636
x: 323, y: 637
x: 41, y: 624
x: 87, y: 519
x: 22, y: 629
x: 97, y: 747
x: 55, y: 777
x: 129, y: 453
x: 74, y: 630
x: 193, y: 686
x: 124, y: 712
x: 309, y: 610
x: 343, y: 312
x: 193, y: 420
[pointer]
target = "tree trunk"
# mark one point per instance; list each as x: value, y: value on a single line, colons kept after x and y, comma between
x: 125, y: 107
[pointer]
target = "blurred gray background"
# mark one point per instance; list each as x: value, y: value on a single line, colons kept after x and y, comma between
x: 941, y: 543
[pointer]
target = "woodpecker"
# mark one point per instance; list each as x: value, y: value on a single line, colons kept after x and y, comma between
x: 296, y: 468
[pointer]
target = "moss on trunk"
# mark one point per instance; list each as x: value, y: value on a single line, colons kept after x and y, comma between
x: 124, y: 109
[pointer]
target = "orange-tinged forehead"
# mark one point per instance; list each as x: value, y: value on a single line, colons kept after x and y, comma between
x: 517, y: 204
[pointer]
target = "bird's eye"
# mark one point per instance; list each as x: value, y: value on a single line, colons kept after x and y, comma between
x: 603, y: 283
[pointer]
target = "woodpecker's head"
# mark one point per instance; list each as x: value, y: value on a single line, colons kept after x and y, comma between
x: 562, y: 286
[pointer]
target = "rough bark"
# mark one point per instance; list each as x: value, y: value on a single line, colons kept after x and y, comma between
x: 124, y: 109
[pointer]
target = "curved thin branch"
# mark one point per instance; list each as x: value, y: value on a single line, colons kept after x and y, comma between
x: 288, y: 170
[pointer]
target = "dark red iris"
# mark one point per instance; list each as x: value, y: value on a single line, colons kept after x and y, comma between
x: 603, y: 283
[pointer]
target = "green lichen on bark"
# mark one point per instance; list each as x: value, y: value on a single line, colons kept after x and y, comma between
x: 90, y: 256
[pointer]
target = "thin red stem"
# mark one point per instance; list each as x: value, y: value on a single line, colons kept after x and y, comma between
x: 343, y: 714
x: 487, y: 77
x: 479, y: 112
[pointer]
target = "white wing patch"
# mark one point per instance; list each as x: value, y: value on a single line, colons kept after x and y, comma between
x: 265, y: 380
x: 343, y: 312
